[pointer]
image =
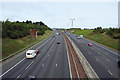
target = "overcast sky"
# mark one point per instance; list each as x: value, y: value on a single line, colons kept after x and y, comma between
x: 58, y: 14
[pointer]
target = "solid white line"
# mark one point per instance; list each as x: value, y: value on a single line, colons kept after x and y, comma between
x: 110, y: 73
x: 56, y: 65
x: 68, y: 59
x: 12, y: 67
x: 75, y: 65
x: 18, y: 76
x: 42, y: 65
x: 29, y: 65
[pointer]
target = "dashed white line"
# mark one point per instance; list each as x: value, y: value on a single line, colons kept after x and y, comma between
x: 56, y: 65
x: 110, y: 73
x: 29, y: 65
x: 107, y: 60
x: 48, y: 55
x: 97, y: 60
x: 12, y: 67
x: 18, y: 76
x: 89, y: 52
x: 42, y: 65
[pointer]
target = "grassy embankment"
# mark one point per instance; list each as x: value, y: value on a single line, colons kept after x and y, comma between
x: 9, y: 46
x: 100, y: 38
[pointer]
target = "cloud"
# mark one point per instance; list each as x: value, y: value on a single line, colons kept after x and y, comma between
x: 86, y: 14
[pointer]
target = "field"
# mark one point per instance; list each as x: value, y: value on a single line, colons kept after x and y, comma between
x: 9, y: 46
x: 100, y: 38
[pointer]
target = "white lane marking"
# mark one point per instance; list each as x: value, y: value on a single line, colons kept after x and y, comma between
x: 59, y: 50
x: 91, y: 48
x: 97, y: 59
x: 42, y: 65
x: 68, y: 60
x: 110, y: 73
x: 89, y: 52
x: 107, y: 60
x: 56, y: 65
x: 48, y: 55
x: 12, y: 67
x: 17, y: 77
x: 29, y: 65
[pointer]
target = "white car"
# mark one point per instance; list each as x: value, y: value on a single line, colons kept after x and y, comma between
x: 81, y: 36
x: 78, y: 37
x: 30, y: 53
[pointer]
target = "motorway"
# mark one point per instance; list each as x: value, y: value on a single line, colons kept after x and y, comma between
x: 102, y: 59
x: 51, y: 62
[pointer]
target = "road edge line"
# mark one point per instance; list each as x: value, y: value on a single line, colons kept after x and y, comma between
x: 86, y: 66
x: 68, y: 59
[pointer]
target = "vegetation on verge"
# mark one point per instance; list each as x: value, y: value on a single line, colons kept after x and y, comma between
x: 15, y: 30
x: 16, y: 35
x: 13, y: 45
x: 107, y: 36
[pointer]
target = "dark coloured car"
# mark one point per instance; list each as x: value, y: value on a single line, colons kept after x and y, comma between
x: 119, y: 63
x: 76, y: 35
x: 58, y: 42
x: 37, y: 51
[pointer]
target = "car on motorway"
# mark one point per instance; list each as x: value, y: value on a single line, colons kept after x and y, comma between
x: 58, y: 42
x: 30, y: 78
x: 81, y: 36
x: 30, y: 53
x: 37, y: 51
x: 119, y: 63
x: 89, y: 44
x: 78, y: 37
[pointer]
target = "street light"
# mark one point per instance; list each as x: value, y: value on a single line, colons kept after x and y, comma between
x: 72, y: 22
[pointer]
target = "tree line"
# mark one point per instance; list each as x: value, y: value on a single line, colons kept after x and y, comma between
x: 113, y: 32
x: 15, y: 30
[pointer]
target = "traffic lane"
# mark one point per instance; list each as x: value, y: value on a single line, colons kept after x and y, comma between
x: 59, y: 65
x: 23, y: 64
x: 37, y: 66
x: 107, y: 61
x: 99, y: 69
x: 108, y: 52
x: 46, y: 69
x: 12, y: 61
x: 52, y: 67
x: 63, y: 65
x: 103, y: 57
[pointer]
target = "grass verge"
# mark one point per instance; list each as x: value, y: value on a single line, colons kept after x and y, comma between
x: 10, y: 46
x: 100, y: 38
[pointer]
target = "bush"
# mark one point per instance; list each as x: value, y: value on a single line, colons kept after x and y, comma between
x: 99, y: 30
x: 116, y: 36
x: 14, y: 35
x: 18, y: 29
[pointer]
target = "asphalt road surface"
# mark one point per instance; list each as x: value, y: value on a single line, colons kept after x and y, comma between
x: 102, y: 59
x: 51, y: 62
